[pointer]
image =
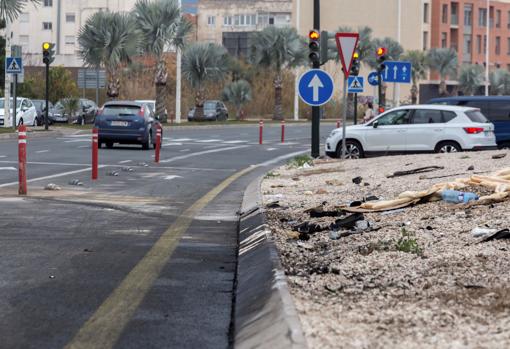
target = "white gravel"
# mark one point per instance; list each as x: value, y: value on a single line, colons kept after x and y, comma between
x: 362, y: 292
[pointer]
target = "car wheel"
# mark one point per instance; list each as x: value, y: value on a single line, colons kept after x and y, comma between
x: 354, y: 150
x: 448, y: 147
x: 109, y: 145
x: 35, y: 123
x: 147, y: 143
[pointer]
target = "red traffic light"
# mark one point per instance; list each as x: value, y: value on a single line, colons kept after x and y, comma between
x: 381, y: 110
x: 314, y: 35
x: 381, y: 51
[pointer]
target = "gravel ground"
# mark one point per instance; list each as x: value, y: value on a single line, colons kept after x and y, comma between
x: 361, y: 291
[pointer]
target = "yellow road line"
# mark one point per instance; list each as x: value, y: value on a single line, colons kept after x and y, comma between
x: 105, y: 326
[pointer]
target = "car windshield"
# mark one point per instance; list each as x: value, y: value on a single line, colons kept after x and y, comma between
x: 2, y: 103
x: 120, y: 110
x: 210, y: 105
x: 477, y: 116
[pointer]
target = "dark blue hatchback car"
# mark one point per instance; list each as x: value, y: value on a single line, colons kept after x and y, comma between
x: 126, y: 122
x: 495, y: 108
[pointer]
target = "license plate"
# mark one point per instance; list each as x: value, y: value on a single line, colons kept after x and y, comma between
x: 120, y: 123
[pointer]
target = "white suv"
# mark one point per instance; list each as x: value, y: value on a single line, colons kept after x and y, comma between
x: 416, y: 128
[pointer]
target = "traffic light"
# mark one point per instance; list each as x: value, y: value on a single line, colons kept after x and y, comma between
x: 355, y: 64
x: 315, y: 48
x: 381, y: 58
x: 48, y: 52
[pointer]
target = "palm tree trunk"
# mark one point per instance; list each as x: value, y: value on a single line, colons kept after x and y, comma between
x: 113, y: 88
x: 160, y: 82
x: 442, y: 88
x: 278, y: 110
x: 414, y: 94
x: 199, y: 105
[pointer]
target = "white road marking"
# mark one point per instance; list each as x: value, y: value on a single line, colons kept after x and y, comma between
x: 124, y: 161
x: 234, y: 142
x: 3, y: 156
x: 63, y: 174
x: 182, y: 139
x: 169, y: 144
x: 283, y: 157
x: 7, y: 168
x: 78, y: 140
x: 270, y: 149
x: 168, y: 178
x: 184, y: 150
x: 42, y: 151
x: 202, y: 153
x: 83, y: 146
x: 208, y: 140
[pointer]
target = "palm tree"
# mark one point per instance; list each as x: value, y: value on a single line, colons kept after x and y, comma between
x: 444, y: 61
x: 71, y: 106
x: 418, y: 70
x: 500, y: 82
x: 277, y: 49
x: 11, y: 9
x: 470, y: 78
x: 202, y: 63
x: 109, y: 39
x: 238, y: 93
x: 161, y: 25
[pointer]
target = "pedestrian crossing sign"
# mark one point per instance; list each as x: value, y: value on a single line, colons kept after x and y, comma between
x: 355, y: 84
x: 13, y: 65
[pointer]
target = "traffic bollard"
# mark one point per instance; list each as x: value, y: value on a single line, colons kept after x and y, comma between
x: 283, y: 131
x: 22, y: 159
x: 261, y: 130
x: 95, y: 146
x: 158, y: 143
x: 338, y: 124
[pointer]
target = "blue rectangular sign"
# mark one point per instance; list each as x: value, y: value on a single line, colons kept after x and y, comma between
x: 13, y: 65
x: 355, y: 84
x: 399, y: 72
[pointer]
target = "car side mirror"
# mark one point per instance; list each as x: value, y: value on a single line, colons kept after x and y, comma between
x: 375, y: 124
x: 24, y: 109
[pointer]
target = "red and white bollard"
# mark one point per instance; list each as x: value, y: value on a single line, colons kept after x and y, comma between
x: 338, y: 124
x: 22, y: 159
x: 261, y: 131
x: 95, y: 146
x: 283, y: 131
x: 158, y: 144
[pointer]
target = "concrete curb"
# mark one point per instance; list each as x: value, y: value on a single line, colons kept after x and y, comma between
x: 32, y: 134
x: 264, y: 312
x: 255, y: 124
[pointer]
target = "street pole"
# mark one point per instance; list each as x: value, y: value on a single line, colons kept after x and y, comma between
x: 355, y: 109
x: 344, y: 117
x: 178, y: 81
x: 47, y: 96
x: 396, y: 87
x: 379, y: 89
x: 7, y: 86
x: 296, y: 78
x: 487, y: 49
x: 14, y: 100
x: 316, y: 111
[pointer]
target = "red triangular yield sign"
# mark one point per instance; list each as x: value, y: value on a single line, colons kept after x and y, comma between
x: 346, y: 44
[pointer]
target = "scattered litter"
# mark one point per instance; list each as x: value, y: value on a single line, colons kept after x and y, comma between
x: 471, y: 168
x: 305, y: 245
x: 458, y: 197
x: 371, y: 198
x: 444, y: 176
x: 143, y: 164
x: 308, y: 192
x: 498, y: 156
x: 356, y: 203
x: 76, y: 182
x: 366, y: 184
x: 357, y: 180
x: 428, y: 227
x: 347, y: 222
x: 308, y: 228
x: 362, y: 225
x: 499, y: 235
x: 306, y: 165
x: 479, y: 232
x: 318, y: 212
x: 113, y: 173
x: 415, y: 171
x: 127, y: 169
x: 274, y: 204
x: 334, y: 234
x: 52, y: 186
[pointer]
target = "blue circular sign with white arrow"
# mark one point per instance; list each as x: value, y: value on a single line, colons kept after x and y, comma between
x: 316, y: 87
x: 373, y: 78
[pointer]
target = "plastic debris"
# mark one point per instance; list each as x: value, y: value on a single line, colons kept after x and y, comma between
x: 52, y: 186
x: 458, y: 197
x: 76, y: 182
x: 347, y: 222
x: 498, y: 156
x: 309, y: 228
x: 318, y: 212
x: 334, y: 235
x: 415, y: 171
x: 357, y: 180
x: 479, y: 232
x: 273, y: 204
x: 499, y: 235
x: 471, y: 168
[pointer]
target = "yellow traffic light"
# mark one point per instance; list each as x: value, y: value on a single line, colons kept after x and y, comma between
x: 314, y: 35
x: 46, y: 45
x: 381, y: 51
x: 355, y: 55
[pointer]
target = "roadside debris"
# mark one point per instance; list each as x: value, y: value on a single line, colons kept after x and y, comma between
x: 318, y: 212
x: 498, y: 156
x: 52, y: 186
x: 347, y: 222
x: 458, y: 197
x: 479, y: 232
x: 113, y: 173
x: 76, y: 182
x: 143, y: 164
x: 357, y: 180
x: 471, y: 168
x: 499, y: 235
x: 415, y: 171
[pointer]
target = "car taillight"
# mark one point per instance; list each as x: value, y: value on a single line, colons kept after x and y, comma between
x: 473, y: 130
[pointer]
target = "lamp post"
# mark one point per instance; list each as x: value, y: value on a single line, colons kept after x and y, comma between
x: 487, y: 49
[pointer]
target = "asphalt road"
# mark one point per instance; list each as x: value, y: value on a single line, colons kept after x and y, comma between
x: 142, y: 258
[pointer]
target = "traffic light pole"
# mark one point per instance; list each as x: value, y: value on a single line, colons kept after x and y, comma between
x: 316, y: 111
x: 380, y: 94
x: 47, y: 96
x: 355, y: 109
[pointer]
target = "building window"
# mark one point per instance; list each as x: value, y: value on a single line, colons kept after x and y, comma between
x: 498, y: 19
x: 425, y: 12
x: 498, y: 45
x: 467, y: 44
x: 443, y: 40
x: 479, y: 44
x: 445, y: 14
x: 211, y: 20
x: 47, y: 26
x: 48, y: 3
x: 24, y: 41
x: 482, y: 17
x: 24, y: 17
x: 69, y: 40
x: 227, y: 20
x: 468, y: 15
x: 70, y: 17
x: 508, y: 46
x: 455, y: 13
x: 425, y: 41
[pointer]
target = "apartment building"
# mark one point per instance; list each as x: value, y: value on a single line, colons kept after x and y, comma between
x: 462, y: 25
x: 58, y: 21
x: 230, y: 22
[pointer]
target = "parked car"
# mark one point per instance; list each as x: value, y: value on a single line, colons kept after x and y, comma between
x: 40, y: 107
x: 495, y: 108
x: 85, y: 113
x: 25, y: 111
x: 213, y: 111
x: 126, y: 122
x: 417, y: 128
x: 152, y: 104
